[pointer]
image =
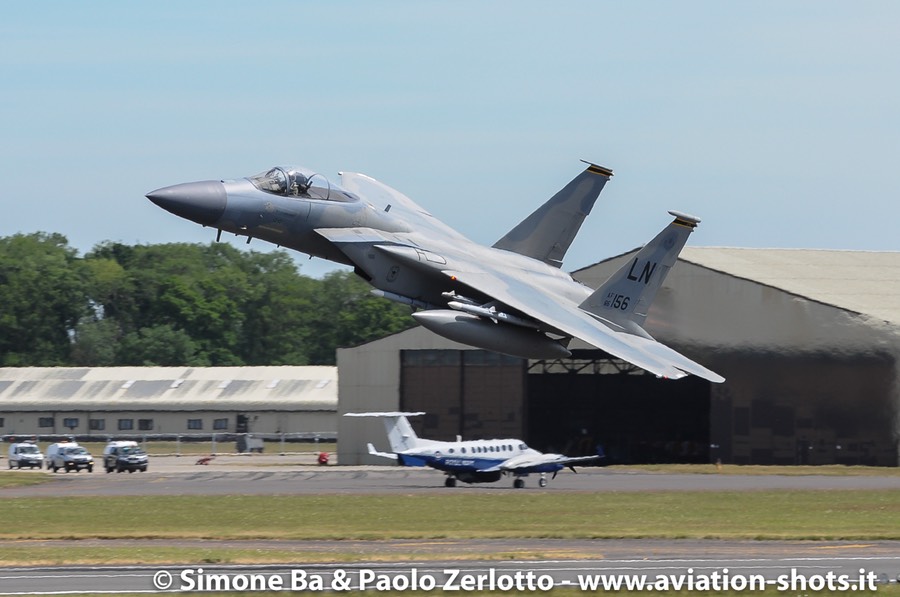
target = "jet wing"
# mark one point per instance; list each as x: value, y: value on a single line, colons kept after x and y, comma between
x: 568, y: 319
x: 528, y: 462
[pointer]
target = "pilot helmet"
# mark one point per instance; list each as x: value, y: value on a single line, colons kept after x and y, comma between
x: 299, y: 183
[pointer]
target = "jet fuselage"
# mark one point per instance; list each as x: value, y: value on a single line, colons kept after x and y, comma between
x: 386, y: 250
x: 511, y: 297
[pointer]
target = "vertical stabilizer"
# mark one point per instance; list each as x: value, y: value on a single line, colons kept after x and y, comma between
x: 547, y: 233
x: 625, y: 297
x: 400, y: 433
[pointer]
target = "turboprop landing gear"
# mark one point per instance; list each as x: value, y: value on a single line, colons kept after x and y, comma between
x: 449, y: 482
x: 519, y: 483
x: 543, y: 480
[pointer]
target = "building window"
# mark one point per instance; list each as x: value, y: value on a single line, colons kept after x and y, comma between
x: 97, y: 424
x: 195, y: 424
x: 145, y: 424
x: 220, y: 424
x: 126, y: 424
x: 70, y: 422
x: 2, y: 422
x: 46, y: 422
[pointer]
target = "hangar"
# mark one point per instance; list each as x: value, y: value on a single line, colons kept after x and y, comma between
x: 120, y: 401
x: 808, y: 341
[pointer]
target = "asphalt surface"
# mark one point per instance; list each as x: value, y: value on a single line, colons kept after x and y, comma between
x: 287, y: 475
x: 564, y: 563
x: 803, y: 567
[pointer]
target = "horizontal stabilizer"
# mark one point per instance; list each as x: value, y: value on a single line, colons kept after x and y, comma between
x: 375, y: 452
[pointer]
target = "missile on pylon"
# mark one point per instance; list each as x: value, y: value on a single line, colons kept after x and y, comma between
x: 492, y: 314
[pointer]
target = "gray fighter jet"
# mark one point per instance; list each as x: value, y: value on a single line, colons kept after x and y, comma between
x: 511, y: 298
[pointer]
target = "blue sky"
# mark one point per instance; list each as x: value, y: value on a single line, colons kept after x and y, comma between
x: 775, y: 122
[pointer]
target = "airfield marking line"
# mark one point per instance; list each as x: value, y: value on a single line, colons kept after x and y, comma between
x: 429, y: 543
x: 101, y: 592
x: 605, y: 570
x: 90, y: 574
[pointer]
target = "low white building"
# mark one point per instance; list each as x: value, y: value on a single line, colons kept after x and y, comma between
x: 115, y: 401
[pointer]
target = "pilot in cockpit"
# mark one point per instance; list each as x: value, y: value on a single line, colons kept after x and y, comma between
x: 298, y: 183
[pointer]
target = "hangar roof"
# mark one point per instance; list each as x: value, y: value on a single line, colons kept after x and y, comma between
x: 169, y: 388
x: 865, y: 282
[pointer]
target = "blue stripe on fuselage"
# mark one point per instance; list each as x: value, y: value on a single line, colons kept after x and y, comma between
x: 407, y: 460
x: 453, y: 464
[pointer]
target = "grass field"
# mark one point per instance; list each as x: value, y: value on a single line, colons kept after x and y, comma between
x: 833, y: 470
x: 779, y: 515
x: 726, y: 515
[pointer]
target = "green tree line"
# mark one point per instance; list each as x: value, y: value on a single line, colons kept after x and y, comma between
x: 176, y: 304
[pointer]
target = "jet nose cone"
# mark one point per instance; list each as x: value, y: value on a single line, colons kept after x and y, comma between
x: 201, y: 202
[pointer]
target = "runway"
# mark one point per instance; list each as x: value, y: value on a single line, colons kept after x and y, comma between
x: 288, y: 475
x: 564, y: 563
x: 608, y: 561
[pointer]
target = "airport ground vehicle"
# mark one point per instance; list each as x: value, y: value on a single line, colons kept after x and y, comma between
x: 25, y: 454
x: 69, y: 456
x: 124, y: 455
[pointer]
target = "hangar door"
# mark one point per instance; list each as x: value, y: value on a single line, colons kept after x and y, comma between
x: 472, y: 393
x: 576, y: 404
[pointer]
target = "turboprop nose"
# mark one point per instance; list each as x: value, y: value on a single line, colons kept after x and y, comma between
x: 202, y: 202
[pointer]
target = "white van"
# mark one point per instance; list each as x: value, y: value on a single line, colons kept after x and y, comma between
x: 124, y: 455
x: 69, y: 456
x: 25, y: 454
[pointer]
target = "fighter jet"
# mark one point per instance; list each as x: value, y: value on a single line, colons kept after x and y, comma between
x: 473, y: 461
x: 511, y: 298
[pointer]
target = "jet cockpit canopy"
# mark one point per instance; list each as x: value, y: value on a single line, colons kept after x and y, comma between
x: 296, y: 181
